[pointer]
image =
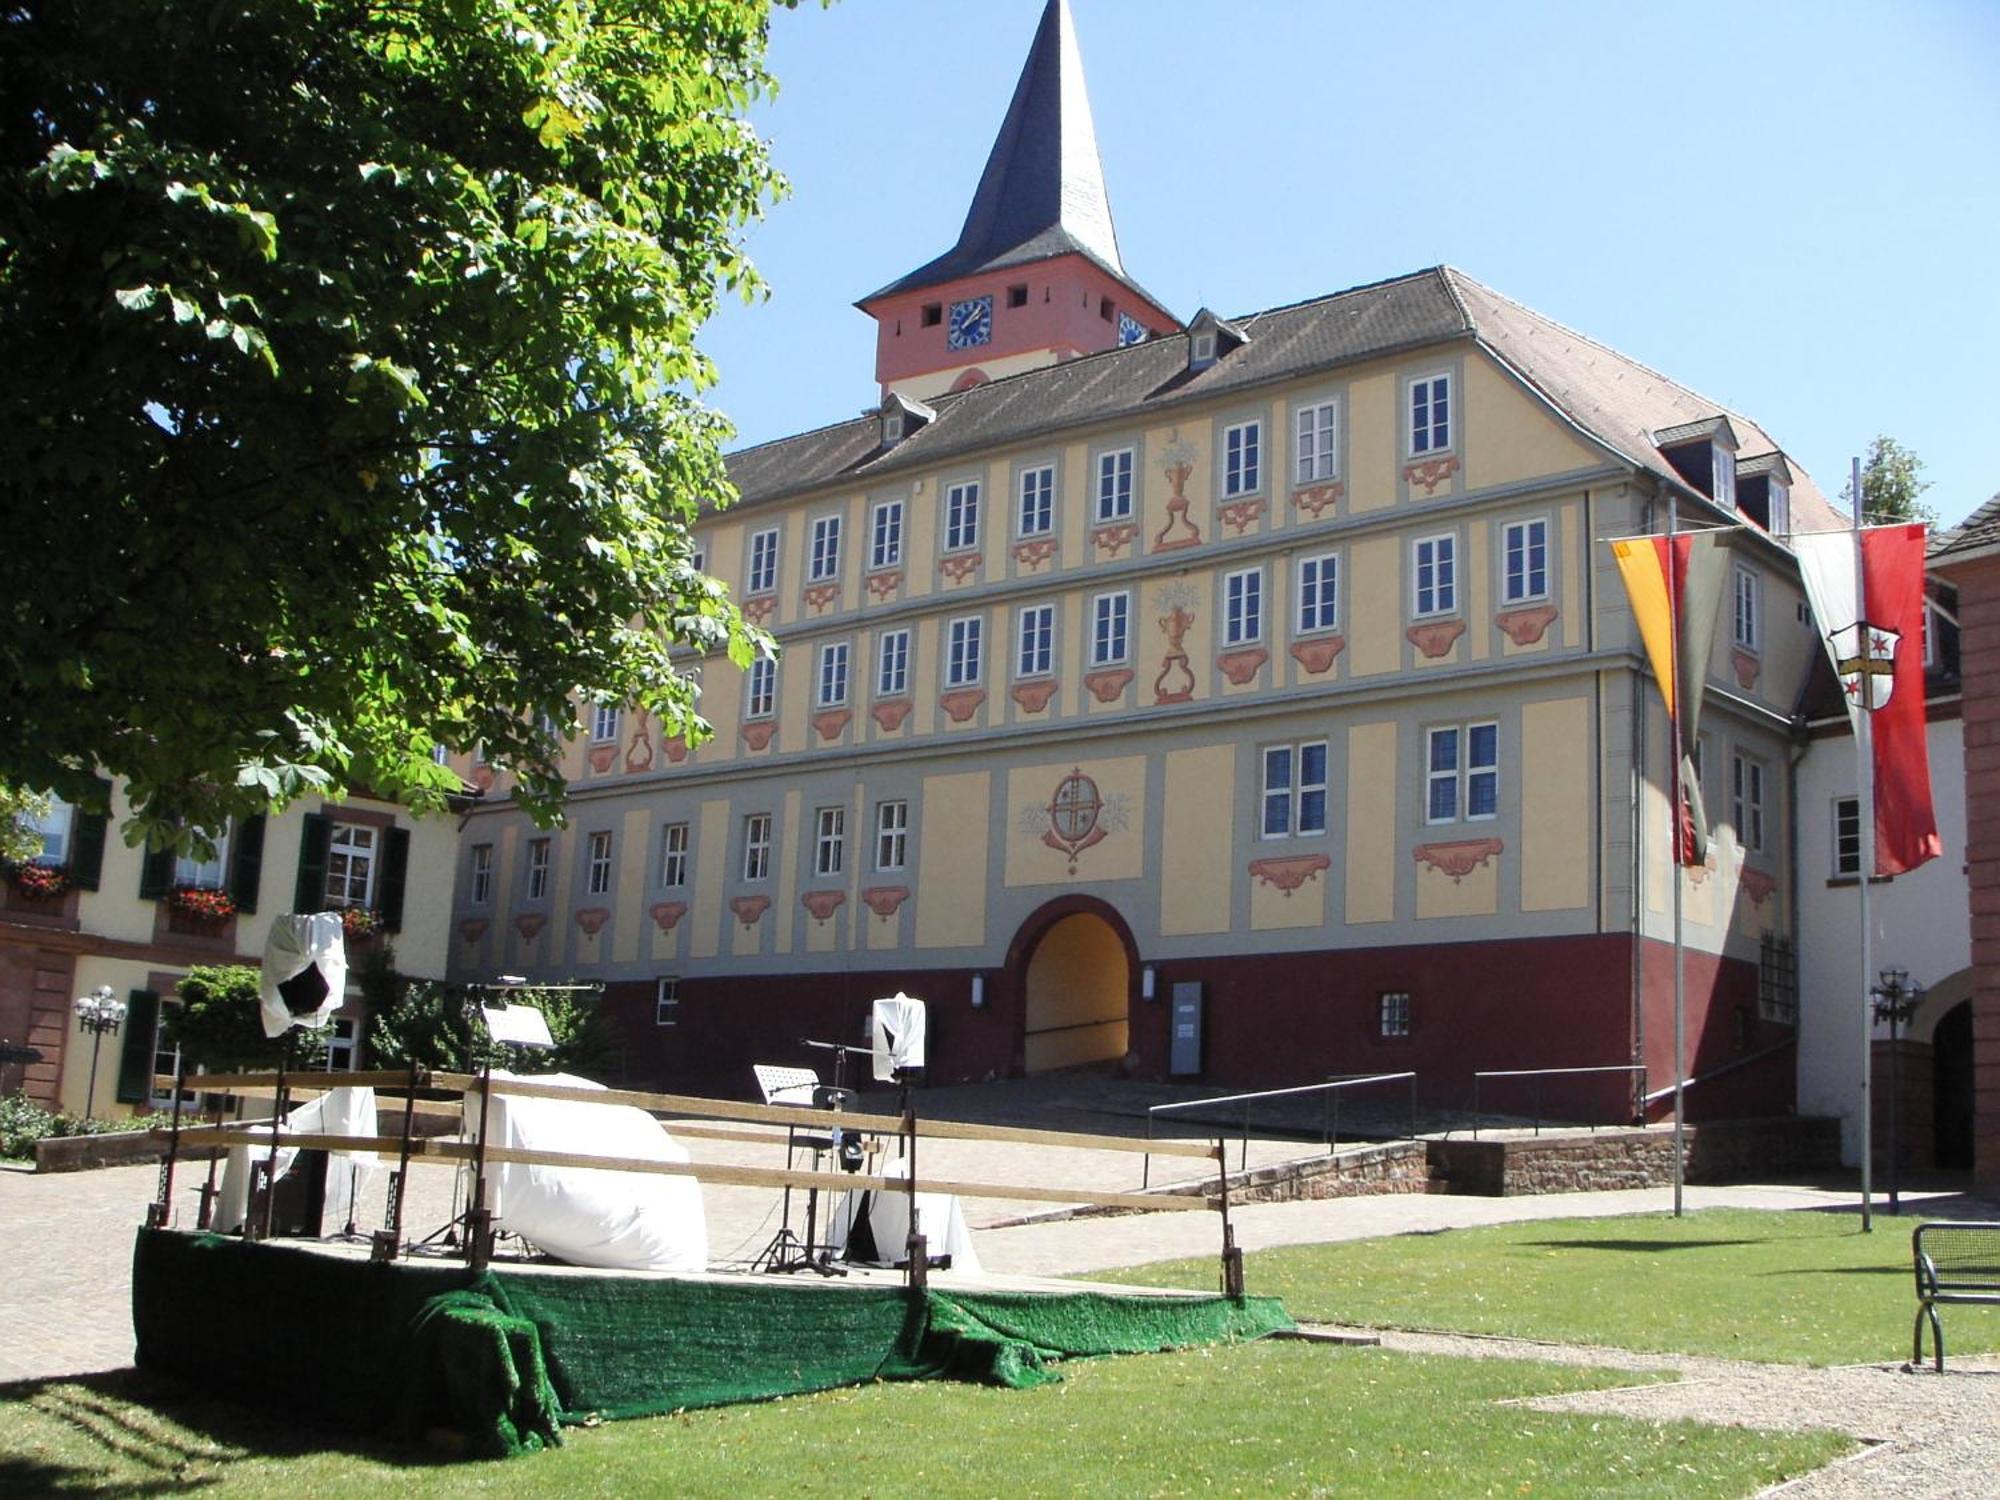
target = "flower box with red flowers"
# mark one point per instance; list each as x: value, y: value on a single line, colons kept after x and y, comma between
x: 202, y: 904
x: 360, y: 921
x: 36, y: 882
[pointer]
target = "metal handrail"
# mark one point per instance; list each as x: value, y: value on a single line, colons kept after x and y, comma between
x: 1329, y: 1112
x: 1540, y: 1073
x: 1733, y: 1065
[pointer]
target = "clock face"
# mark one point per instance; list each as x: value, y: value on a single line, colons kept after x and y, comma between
x: 970, y: 323
x: 1130, y: 330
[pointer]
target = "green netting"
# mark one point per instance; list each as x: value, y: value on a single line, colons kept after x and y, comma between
x: 506, y: 1357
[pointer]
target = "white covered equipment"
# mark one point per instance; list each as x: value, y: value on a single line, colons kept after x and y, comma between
x: 896, y: 1030
x: 294, y: 945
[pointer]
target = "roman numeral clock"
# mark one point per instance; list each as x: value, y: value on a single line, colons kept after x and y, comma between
x: 970, y: 323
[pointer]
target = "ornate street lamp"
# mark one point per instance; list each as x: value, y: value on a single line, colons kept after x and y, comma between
x: 1895, y: 1000
x: 98, y: 1012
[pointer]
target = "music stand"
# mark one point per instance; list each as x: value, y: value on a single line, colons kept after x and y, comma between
x: 792, y: 1086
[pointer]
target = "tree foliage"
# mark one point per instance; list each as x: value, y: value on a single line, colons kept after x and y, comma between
x: 19, y: 842
x: 1891, y: 480
x: 425, y: 1021
x: 350, y: 393
x: 219, y: 1025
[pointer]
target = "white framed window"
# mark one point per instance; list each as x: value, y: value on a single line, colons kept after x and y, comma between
x: 1243, y: 607
x: 343, y: 1047
x: 961, y: 516
x: 1780, y: 509
x: 1243, y: 458
x: 1747, y: 623
x: 1723, y: 491
x: 1036, y: 654
x: 825, y: 548
x: 698, y: 559
x: 892, y: 664
x: 667, y: 1001
x: 1318, y: 442
x: 761, y: 698
x: 1524, y: 561
x: 1430, y: 415
x: 1746, y: 800
x: 830, y: 843
x: 1114, y: 485
x: 603, y: 723
x: 757, y: 846
x: 674, y: 855
x: 482, y: 874
x: 763, y: 570
x: 886, y: 546
x: 1930, y: 637
x: 892, y: 830
x: 1110, y: 629
x: 1847, y: 836
x: 1202, y: 349
x: 538, y: 869
x: 1392, y: 1015
x: 597, y: 870
x: 55, y: 825
x: 204, y: 874
x: 350, y: 864
x: 1038, y: 500
x: 962, y: 664
x: 1294, y: 790
x: 1462, y: 773
x: 442, y: 757
x: 832, y: 674
x: 1434, y: 569
x: 1319, y: 593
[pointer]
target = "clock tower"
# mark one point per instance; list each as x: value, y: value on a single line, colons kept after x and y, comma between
x: 1035, y: 277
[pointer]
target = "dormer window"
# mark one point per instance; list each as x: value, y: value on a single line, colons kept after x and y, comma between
x: 1781, y: 509
x: 1763, y: 491
x: 1704, y: 455
x: 1209, y: 339
x: 900, y: 417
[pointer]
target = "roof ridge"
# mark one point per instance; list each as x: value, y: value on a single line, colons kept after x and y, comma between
x: 1366, y: 286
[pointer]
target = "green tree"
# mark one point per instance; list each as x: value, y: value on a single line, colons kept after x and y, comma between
x: 219, y: 1024
x: 351, y: 392
x: 19, y: 842
x: 1891, y: 480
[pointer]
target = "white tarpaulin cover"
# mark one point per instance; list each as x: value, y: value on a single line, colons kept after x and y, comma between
x: 939, y: 1216
x: 896, y: 1027
x: 345, y: 1111
x: 295, y: 945
x: 629, y: 1221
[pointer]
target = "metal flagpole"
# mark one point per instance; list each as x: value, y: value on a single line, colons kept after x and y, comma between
x: 1865, y: 776
x: 1674, y: 758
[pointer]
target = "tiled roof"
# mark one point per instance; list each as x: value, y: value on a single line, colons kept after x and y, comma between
x: 1975, y: 533
x: 1042, y: 193
x: 1615, y: 400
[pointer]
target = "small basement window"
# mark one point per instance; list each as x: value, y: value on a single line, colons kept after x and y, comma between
x: 933, y: 314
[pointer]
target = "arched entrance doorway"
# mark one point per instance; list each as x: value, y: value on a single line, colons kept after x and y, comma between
x: 1951, y: 1087
x: 1077, y: 989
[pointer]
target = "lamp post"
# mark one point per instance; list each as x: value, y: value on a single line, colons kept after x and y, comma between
x: 98, y: 1012
x: 1895, y: 1000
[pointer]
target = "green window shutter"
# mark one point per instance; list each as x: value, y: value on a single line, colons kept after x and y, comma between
x: 310, y: 895
x: 156, y: 874
x: 246, y: 862
x: 395, y: 874
x: 135, y: 1061
x: 86, y: 861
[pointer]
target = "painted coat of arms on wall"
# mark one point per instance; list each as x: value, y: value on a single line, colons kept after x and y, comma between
x: 1076, y: 817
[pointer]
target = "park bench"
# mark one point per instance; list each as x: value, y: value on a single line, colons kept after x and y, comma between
x: 1957, y: 1261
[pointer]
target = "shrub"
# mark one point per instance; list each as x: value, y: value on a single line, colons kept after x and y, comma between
x: 218, y: 1026
x: 23, y: 1122
x: 424, y: 1021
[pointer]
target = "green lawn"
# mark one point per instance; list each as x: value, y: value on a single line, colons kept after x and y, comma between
x: 1274, y: 1418
x: 1804, y: 1288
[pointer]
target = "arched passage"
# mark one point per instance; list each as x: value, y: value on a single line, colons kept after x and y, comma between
x: 1951, y: 1087
x: 1077, y: 991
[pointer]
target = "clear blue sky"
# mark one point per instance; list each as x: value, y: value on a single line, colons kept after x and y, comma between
x: 1793, y: 208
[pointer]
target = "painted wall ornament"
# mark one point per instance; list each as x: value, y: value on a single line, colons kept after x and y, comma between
x: 1177, y: 460
x: 1077, y: 816
x: 639, y: 754
x: 1176, y: 603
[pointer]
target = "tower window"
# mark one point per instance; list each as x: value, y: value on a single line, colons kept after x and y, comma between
x: 933, y: 314
x: 1017, y: 296
x: 1104, y: 309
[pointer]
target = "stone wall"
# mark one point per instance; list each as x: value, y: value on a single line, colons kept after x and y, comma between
x: 1722, y: 1151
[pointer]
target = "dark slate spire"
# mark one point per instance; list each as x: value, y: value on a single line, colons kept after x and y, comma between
x: 1042, y: 192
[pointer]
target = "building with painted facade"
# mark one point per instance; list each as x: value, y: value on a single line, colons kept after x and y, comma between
x: 1273, y: 659
x: 136, y: 921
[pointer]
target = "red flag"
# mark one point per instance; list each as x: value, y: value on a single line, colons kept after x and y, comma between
x: 1877, y: 646
x: 1892, y: 581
